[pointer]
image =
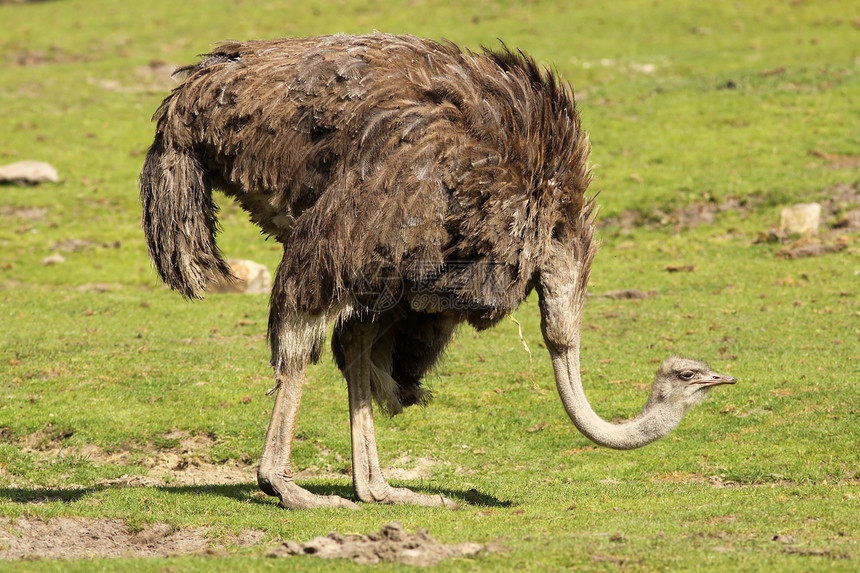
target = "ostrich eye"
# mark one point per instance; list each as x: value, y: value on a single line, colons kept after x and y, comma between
x: 686, y: 375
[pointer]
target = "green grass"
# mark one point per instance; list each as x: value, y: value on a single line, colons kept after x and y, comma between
x: 684, y: 101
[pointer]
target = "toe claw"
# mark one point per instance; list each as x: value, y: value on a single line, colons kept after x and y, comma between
x: 450, y: 503
x: 346, y: 504
x: 293, y: 496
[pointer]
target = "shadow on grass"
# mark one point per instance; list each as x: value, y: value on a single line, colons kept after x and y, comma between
x: 469, y: 497
x: 41, y: 495
x: 245, y: 493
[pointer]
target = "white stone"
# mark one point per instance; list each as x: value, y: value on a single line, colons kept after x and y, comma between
x: 55, y: 259
x: 252, y: 278
x: 30, y: 172
x: 801, y: 219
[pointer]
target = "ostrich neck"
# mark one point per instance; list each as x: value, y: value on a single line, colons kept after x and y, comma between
x: 651, y: 424
x: 561, y: 288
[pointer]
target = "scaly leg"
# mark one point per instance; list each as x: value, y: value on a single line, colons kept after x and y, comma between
x: 356, y: 339
x: 275, y: 475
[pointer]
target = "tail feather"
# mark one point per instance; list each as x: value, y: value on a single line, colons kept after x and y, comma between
x: 179, y: 220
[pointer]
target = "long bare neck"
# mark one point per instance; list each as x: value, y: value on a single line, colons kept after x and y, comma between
x: 652, y: 423
x: 561, y: 290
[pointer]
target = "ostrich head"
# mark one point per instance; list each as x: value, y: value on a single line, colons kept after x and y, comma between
x: 681, y: 383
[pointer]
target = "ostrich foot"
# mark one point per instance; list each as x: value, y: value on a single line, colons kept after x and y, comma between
x: 356, y: 343
x: 403, y: 496
x: 293, y: 496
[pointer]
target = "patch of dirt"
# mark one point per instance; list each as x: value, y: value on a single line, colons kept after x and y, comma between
x: 78, y: 245
x: 680, y: 268
x: 717, y: 482
x: 24, y: 212
x: 155, y: 77
x: 98, y: 288
x: 686, y: 477
x: 680, y: 218
x: 53, y: 55
x: 391, y: 544
x: 400, y: 468
x: 837, y: 160
x: 185, y: 464
x: 177, y: 469
x: 813, y: 250
x: 188, y: 464
x: 158, y: 72
x: 813, y: 552
x: 182, y: 465
x: 184, y: 468
x: 83, y: 538
x: 840, y: 210
x: 628, y: 294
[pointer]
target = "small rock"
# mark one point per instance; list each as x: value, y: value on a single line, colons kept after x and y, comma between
x: 28, y: 173
x: 802, y: 219
x: 285, y: 549
x: 292, y: 547
x: 324, y: 547
x: 251, y: 278
x: 393, y: 531
x: 55, y: 259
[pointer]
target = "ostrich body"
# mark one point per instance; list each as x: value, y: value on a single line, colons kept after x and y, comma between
x: 376, y: 160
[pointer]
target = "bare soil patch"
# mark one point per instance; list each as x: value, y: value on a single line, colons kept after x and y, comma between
x: 837, y: 160
x: 27, y: 213
x: 188, y: 463
x: 808, y: 250
x: 185, y: 464
x: 179, y: 470
x: 628, y: 294
x: 390, y: 544
x: 81, y: 538
x: 840, y: 211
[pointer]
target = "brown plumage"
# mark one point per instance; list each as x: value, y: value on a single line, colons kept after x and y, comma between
x: 459, y: 176
x: 351, y: 149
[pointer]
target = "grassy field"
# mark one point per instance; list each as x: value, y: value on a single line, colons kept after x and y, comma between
x: 122, y: 401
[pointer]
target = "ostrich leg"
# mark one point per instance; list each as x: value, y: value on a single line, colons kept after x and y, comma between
x: 275, y: 476
x: 357, y: 339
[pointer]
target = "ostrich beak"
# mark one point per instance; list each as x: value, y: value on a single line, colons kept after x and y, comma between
x: 714, y: 379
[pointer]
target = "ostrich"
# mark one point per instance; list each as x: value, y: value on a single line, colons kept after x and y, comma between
x: 459, y: 176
